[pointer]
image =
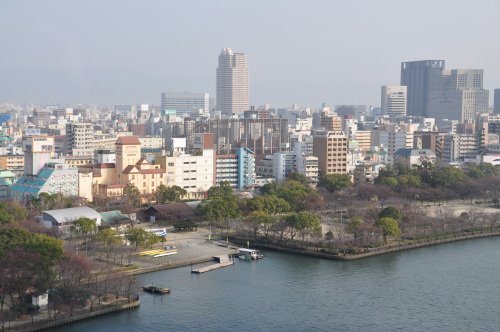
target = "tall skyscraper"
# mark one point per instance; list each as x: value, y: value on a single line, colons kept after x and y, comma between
x: 460, y: 95
x: 232, y: 82
x: 455, y: 94
x: 496, y: 107
x: 393, y: 100
x: 422, y: 79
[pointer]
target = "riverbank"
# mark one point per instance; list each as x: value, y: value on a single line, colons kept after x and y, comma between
x: 193, y: 249
x: 195, y: 253
x: 41, y: 324
x: 325, y: 253
x: 409, y: 292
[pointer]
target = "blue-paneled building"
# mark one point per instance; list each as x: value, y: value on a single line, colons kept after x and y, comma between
x: 238, y: 169
x: 52, y: 178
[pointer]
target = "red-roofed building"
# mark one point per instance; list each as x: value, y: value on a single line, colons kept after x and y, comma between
x: 128, y: 140
x: 130, y: 169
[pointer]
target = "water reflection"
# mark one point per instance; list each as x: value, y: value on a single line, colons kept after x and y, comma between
x: 445, y: 288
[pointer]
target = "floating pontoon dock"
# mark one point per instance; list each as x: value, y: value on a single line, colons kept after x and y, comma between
x: 224, y: 260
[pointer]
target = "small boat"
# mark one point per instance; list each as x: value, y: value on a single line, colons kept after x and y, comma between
x: 155, y: 289
x: 249, y: 254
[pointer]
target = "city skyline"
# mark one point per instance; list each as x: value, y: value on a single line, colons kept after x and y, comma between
x: 298, y: 53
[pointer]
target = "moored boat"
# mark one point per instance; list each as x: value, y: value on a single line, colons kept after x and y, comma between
x: 155, y: 289
x: 249, y: 254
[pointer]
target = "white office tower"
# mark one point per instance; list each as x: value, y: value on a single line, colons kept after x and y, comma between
x: 232, y: 82
x: 394, y: 100
x: 184, y: 103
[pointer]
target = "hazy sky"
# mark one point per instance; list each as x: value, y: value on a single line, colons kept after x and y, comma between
x: 305, y: 52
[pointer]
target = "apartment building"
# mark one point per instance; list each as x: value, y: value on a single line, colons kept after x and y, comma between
x: 80, y: 139
x: 460, y: 148
x: 331, y: 149
x: 364, y: 139
x: 14, y: 163
x: 238, y: 169
x: 308, y: 166
x: 284, y: 163
x: 193, y: 173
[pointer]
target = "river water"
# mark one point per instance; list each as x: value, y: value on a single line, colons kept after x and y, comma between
x: 450, y: 287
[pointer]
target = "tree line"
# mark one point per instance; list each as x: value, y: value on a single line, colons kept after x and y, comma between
x: 33, y: 260
x: 293, y: 209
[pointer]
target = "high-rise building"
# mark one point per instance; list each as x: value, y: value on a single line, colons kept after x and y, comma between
x: 331, y: 149
x: 232, y: 82
x: 496, y: 107
x: 80, y: 139
x: 432, y: 91
x: 460, y: 148
x: 394, y: 100
x: 193, y: 173
x: 331, y: 122
x: 422, y: 79
x: 238, y: 169
x: 262, y: 136
x: 460, y: 96
x: 246, y: 168
x: 184, y: 103
x: 226, y: 169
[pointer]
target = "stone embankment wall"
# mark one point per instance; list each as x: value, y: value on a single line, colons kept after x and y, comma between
x: 45, y: 325
x: 320, y: 252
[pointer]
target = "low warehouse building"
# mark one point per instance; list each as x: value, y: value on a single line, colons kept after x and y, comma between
x: 62, y: 219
